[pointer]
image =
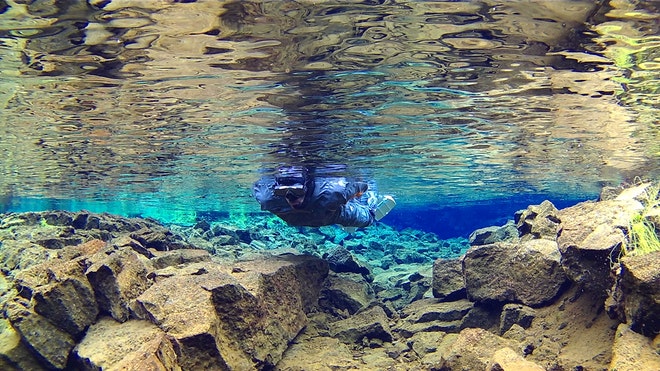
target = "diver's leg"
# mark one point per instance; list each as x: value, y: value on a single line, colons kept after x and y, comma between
x: 354, y: 214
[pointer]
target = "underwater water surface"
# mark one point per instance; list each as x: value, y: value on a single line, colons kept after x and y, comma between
x: 464, y: 111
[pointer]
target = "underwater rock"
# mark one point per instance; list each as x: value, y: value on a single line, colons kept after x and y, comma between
x: 133, y: 345
x: 341, y: 260
x: 118, y: 278
x: 49, y: 343
x: 632, y: 351
x: 640, y: 288
x: 14, y: 354
x: 515, y: 314
x: 448, y: 283
x: 348, y: 292
x: 365, y: 326
x: 527, y: 272
x: 506, y: 359
x: 403, y: 284
x: 177, y: 257
x: 431, y: 315
x: 488, y: 235
x: 538, y: 222
x: 472, y: 349
x: 591, y: 238
x: 60, y: 292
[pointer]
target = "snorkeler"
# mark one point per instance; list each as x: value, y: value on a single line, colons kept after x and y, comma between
x: 301, y: 199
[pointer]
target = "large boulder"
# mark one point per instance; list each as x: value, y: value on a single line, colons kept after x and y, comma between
x: 118, y: 277
x: 639, y: 283
x: 49, y: 343
x: 538, y: 221
x: 488, y: 235
x: 348, y: 292
x: 134, y: 345
x: 448, y: 283
x: 527, y: 272
x: 371, y: 324
x: 632, y: 351
x: 60, y: 292
x: 235, y: 317
x: 590, y: 240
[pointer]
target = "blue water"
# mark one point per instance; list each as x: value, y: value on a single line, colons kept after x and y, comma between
x: 446, y: 221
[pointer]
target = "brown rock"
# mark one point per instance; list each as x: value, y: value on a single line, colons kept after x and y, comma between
x: 346, y: 292
x: 118, y: 278
x: 368, y: 325
x: 528, y: 272
x: 634, y: 352
x: 182, y: 307
x: 14, y: 355
x: 430, y: 315
x: 506, y: 359
x: 51, y: 344
x: 448, y: 283
x: 591, y: 237
x: 472, y: 349
x: 539, y: 221
x: 133, y: 345
x: 640, y: 285
x: 176, y: 257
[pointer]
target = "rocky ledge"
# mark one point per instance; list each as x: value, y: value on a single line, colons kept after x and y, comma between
x: 85, y: 291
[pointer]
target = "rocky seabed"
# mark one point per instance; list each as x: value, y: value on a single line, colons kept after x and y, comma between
x: 547, y: 291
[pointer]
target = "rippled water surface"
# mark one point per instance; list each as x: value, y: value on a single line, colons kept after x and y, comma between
x: 170, y: 106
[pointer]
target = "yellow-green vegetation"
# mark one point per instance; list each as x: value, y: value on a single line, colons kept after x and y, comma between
x: 642, y: 235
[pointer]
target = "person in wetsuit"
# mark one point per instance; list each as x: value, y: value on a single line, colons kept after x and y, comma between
x: 301, y: 199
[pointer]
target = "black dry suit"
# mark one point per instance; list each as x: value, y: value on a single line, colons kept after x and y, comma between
x: 327, y: 201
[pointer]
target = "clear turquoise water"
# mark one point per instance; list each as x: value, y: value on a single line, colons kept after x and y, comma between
x: 464, y: 111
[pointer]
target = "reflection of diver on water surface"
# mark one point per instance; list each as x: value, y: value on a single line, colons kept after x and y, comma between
x: 301, y: 198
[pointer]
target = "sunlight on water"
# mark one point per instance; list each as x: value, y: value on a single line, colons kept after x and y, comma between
x: 142, y: 106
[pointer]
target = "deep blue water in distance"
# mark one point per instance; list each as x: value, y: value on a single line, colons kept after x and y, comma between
x: 460, y: 221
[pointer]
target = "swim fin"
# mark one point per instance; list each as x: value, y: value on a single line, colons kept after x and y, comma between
x: 384, y: 207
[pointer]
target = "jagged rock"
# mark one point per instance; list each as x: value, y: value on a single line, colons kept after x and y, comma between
x: 14, y: 355
x: 118, y: 277
x: 472, y: 349
x: 182, y: 307
x: 61, y: 293
x: 369, y: 324
x: 176, y: 257
x: 640, y: 286
x: 159, y: 238
x: 50, y: 344
x: 431, y: 315
x: 402, y: 285
x: 16, y: 255
x: 238, y: 317
x: 506, y: 359
x: 528, y: 272
x: 133, y: 345
x: 424, y: 343
x: 341, y: 260
x: 632, y: 351
x: 515, y: 314
x: 448, y: 283
x: 489, y: 235
x: 347, y: 292
x: 591, y: 238
x: 538, y: 221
